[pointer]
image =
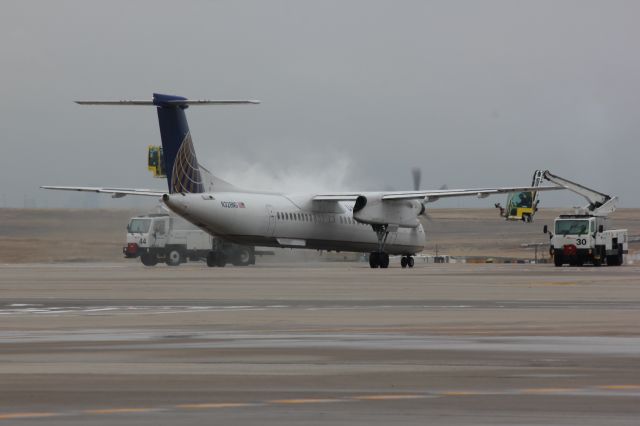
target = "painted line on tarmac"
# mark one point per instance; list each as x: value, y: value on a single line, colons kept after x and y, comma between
x: 612, y: 389
x: 391, y: 397
x: 27, y: 415
x: 305, y: 401
x: 461, y: 393
x: 542, y: 391
x: 209, y: 405
x: 125, y: 410
x: 620, y: 387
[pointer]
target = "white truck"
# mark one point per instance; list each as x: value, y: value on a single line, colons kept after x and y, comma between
x: 165, y: 238
x: 584, y: 237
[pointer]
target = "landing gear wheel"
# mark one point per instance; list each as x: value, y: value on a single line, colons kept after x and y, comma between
x: 221, y: 260
x: 404, y: 261
x: 384, y: 260
x: 148, y: 259
x: 174, y: 258
x: 615, y: 260
x: 374, y: 260
x: 243, y: 257
x: 211, y: 259
x: 410, y: 261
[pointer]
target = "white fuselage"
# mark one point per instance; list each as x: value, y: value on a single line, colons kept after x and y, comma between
x: 294, y: 221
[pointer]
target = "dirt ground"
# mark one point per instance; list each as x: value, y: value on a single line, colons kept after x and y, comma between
x: 63, y: 235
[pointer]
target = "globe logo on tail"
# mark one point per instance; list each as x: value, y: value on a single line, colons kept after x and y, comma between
x: 186, y: 176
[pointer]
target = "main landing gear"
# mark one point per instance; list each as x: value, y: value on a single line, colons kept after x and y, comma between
x: 380, y: 258
x: 407, y: 261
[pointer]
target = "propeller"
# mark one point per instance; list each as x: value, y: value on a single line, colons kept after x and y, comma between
x: 417, y: 177
x: 416, y: 172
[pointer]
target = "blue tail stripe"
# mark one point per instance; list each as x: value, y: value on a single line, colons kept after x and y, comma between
x: 174, y: 132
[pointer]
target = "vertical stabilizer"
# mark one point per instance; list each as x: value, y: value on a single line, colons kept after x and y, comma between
x: 182, y: 169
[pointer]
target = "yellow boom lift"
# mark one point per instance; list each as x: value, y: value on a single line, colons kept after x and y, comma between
x: 522, y: 205
x: 155, y: 162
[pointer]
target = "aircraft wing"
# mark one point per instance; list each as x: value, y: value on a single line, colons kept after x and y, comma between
x: 117, y: 192
x: 433, y: 195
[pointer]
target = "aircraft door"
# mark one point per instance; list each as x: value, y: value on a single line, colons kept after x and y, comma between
x: 270, y: 221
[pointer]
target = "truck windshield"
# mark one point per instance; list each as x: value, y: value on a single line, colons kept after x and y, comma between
x: 572, y: 227
x: 139, y: 225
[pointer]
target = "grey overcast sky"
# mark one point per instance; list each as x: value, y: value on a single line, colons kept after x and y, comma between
x: 354, y: 93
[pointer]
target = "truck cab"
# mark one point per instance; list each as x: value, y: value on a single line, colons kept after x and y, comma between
x: 584, y: 238
x: 147, y: 234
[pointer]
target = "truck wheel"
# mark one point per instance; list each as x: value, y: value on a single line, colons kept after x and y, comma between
x: 221, y: 260
x: 615, y: 260
x: 148, y: 259
x: 211, y: 259
x: 242, y: 257
x: 557, y: 259
x: 174, y: 258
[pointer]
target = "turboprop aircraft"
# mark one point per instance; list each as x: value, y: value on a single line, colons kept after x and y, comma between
x: 378, y: 222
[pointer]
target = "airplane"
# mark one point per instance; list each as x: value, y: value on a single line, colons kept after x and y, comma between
x: 380, y: 223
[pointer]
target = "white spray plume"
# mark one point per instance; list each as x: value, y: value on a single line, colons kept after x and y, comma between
x: 307, y: 175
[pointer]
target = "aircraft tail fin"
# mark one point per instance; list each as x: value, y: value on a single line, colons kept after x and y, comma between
x: 184, y: 173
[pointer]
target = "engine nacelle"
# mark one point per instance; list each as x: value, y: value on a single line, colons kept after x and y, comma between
x: 372, y: 209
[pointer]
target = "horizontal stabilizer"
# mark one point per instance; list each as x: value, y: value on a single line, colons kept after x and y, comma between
x: 118, y: 192
x: 170, y: 101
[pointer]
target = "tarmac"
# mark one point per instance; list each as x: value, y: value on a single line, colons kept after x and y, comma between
x: 319, y: 343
